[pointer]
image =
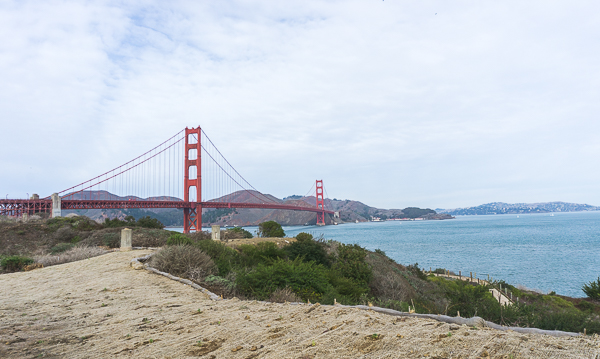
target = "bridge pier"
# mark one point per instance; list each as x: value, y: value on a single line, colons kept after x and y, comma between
x: 56, y: 205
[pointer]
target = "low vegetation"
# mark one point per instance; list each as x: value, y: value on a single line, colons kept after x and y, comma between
x: 270, y: 229
x: 129, y: 221
x: 308, y: 269
x: 316, y: 270
x: 14, y: 263
x: 73, y: 254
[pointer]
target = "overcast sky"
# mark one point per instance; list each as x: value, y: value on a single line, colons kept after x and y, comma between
x: 437, y: 104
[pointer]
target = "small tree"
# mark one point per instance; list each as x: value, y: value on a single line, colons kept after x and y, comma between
x: 592, y: 289
x: 270, y: 229
x: 148, y: 222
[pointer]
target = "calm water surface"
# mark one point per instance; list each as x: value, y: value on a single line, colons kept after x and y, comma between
x: 540, y: 251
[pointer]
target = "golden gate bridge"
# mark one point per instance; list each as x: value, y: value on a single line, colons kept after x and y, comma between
x: 187, y: 172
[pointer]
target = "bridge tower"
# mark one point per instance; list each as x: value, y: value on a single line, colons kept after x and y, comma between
x: 320, y: 204
x: 192, y: 216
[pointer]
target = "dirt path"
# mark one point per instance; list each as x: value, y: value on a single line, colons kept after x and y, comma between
x: 100, y: 307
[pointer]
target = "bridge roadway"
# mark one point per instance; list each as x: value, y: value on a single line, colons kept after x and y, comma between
x: 12, y: 207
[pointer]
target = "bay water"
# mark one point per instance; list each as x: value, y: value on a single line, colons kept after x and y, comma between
x: 547, y: 252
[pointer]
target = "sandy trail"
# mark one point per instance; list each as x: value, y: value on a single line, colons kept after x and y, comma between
x: 100, y: 307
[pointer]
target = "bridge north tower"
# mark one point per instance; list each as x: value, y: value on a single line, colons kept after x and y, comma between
x: 320, y: 204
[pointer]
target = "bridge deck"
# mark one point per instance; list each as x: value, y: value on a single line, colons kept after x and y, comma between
x: 18, y: 206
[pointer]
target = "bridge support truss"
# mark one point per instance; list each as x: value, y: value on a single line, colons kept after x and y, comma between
x: 320, y: 204
x: 192, y: 216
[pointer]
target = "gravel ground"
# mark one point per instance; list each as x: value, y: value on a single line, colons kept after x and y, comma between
x: 100, y: 307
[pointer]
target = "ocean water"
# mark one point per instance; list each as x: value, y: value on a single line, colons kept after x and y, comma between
x: 546, y: 252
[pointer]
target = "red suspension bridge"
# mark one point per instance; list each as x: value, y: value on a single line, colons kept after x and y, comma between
x: 187, y: 172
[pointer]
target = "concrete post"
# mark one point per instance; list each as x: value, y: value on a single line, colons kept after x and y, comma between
x: 25, y: 216
x: 126, y: 234
x: 216, y: 232
x: 56, y: 208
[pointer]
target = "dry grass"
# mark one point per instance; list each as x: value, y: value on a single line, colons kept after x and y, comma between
x: 74, y: 254
x: 183, y: 261
x: 283, y: 295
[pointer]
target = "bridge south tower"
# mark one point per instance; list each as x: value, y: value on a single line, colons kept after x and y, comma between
x: 192, y: 180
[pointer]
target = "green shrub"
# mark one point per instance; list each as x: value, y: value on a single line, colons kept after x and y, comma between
x: 61, y: 247
x: 83, y: 223
x: 592, y: 289
x: 15, y: 263
x: 76, y: 239
x: 308, y: 249
x: 223, y: 283
x: 307, y: 279
x: 129, y: 221
x: 178, y: 239
x: 270, y: 229
x: 381, y: 253
x: 350, y: 263
x: 116, y: 223
x: 149, y: 222
x: 112, y: 240
x: 241, y: 231
x: 414, y: 269
x: 469, y: 299
x: 348, y: 291
x: 264, y: 252
x: 226, y: 259
x: 57, y: 222
x: 586, y: 306
x: 569, y: 321
x: 303, y: 236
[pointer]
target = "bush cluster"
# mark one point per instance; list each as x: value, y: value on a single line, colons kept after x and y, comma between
x: 319, y: 271
x: 178, y: 239
x: 300, y: 270
x: 239, y: 232
x: 15, y: 263
x: 183, y: 260
x: 129, y: 221
x: 270, y: 229
x: 541, y: 311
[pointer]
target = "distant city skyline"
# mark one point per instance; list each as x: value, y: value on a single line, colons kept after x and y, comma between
x: 394, y: 104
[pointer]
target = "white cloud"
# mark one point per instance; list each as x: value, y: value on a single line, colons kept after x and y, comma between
x: 386, y: 101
